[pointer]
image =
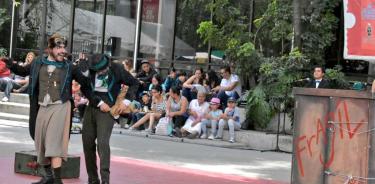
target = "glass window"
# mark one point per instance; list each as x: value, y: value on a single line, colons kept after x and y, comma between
x: 58, y: 18
x: 28, y: 28
x: 120, y: 28
x: 88, y: 26
x: 156, y: 41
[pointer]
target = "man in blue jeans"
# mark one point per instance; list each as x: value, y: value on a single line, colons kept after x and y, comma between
x: 230, y: 86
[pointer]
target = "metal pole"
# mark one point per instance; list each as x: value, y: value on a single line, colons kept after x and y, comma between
x: 209, y: 43
x: 12, y: 31
x: 137, y: 33
x: 174, y: 33
x: 42, y: 32
x: 104, y: 22
x: 71, y: 31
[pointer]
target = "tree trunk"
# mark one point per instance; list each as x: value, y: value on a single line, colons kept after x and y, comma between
x: 251, y: 15
x: 297, y: 23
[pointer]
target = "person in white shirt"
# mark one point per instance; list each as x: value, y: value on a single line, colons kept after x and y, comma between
x: 230, y: 86
x: 197, y: 111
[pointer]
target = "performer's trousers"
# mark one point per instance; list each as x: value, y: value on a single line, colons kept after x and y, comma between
x: 97, y: 126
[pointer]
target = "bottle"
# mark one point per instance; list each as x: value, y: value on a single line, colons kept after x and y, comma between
x: 369, y: 30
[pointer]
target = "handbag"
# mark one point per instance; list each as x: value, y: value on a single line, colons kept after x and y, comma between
x: 164, y: 126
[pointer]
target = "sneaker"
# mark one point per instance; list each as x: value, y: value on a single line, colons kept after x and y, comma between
x: 203, y: 136
x: 148, y: 130
x: 131, y: 129
x: 211, y: 137
x: 218, y: 137
x: 5, y: 99
x: 231, y: 140
x: 192, y: 135
x: 126, y: 126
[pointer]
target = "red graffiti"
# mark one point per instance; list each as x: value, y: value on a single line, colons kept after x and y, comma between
x: 305, y: 144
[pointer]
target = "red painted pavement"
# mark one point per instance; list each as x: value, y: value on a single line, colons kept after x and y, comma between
x: 131, y: 171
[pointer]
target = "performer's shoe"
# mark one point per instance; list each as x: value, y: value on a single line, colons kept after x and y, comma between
x: 45, y: 180
x: 57, y: 181
x: 48, y: 178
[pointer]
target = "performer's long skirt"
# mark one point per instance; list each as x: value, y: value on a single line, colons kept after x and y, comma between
x: 52, y: 131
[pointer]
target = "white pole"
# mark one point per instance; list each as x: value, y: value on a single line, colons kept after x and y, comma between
x: 137, y: 33
x: 11, y: 30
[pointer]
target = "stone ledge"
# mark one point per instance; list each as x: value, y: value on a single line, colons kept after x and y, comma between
x: 245, y: 139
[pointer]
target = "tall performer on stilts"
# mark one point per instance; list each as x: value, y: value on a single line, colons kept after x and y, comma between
x: 50, y: 93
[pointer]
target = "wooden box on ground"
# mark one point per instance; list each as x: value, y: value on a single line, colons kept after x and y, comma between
x: 25, y: 164
x: 334, y: 137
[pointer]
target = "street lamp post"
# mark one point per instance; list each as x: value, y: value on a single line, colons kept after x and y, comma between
x: 14, y: 4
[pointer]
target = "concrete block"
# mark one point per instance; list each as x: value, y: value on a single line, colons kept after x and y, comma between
x: 14, y: 108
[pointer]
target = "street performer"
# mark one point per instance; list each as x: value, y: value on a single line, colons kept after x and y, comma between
x: 106, y: 80
x: 50, y: 94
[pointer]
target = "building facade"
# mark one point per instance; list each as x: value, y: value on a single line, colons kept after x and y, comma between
x: 101, y: 26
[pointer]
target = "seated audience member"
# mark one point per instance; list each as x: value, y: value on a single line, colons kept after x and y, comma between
x: 212, y: 119
x: 6, y: 83
x: 230, y: 119
x: 319, y: 81
x: 157, y: 110
x: 156, y: 80
x: 142, y: 108
x: 230, y: 86
x: 80, y: 103
x: 128, y: 65
x: 23, y: 82
x: 76, y: 88
x: 177, y: 108
x: 194, y: 85
x: 170, y: 80
x: 197, y: 110
x: 145, y: 75
x: 181, y: 78
x: 211, y: 80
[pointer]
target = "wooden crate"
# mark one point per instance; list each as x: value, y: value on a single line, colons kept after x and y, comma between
x: 25, y: 163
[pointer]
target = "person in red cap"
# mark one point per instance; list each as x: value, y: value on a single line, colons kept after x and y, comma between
x: 50, y: 94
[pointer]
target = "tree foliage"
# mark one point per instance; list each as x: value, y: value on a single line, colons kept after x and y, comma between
x: 268, y: 52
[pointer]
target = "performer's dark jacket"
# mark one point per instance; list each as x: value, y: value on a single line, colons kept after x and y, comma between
x: 117, y: 76
x: 323, y: 84
x: 69, y: 73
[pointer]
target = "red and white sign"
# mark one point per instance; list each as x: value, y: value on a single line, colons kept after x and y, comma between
x: 150, y: 12
x: 359, y: 17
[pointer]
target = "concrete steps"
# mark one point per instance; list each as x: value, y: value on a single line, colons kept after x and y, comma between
x: 14, y: 108
x: 14, y: 117
x: 17, y: 97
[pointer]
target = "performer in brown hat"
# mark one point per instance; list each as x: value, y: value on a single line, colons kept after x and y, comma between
x: 50, y: 105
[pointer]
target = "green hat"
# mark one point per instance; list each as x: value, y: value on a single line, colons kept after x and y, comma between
x: 98, y: 62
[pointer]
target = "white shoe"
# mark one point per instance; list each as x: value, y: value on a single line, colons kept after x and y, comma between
x: 126, y: 126
x: 5, y: 99
x: 211, y: 137
x: 218, y: 137
x: 204, y: 136
x: 231, y: 140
